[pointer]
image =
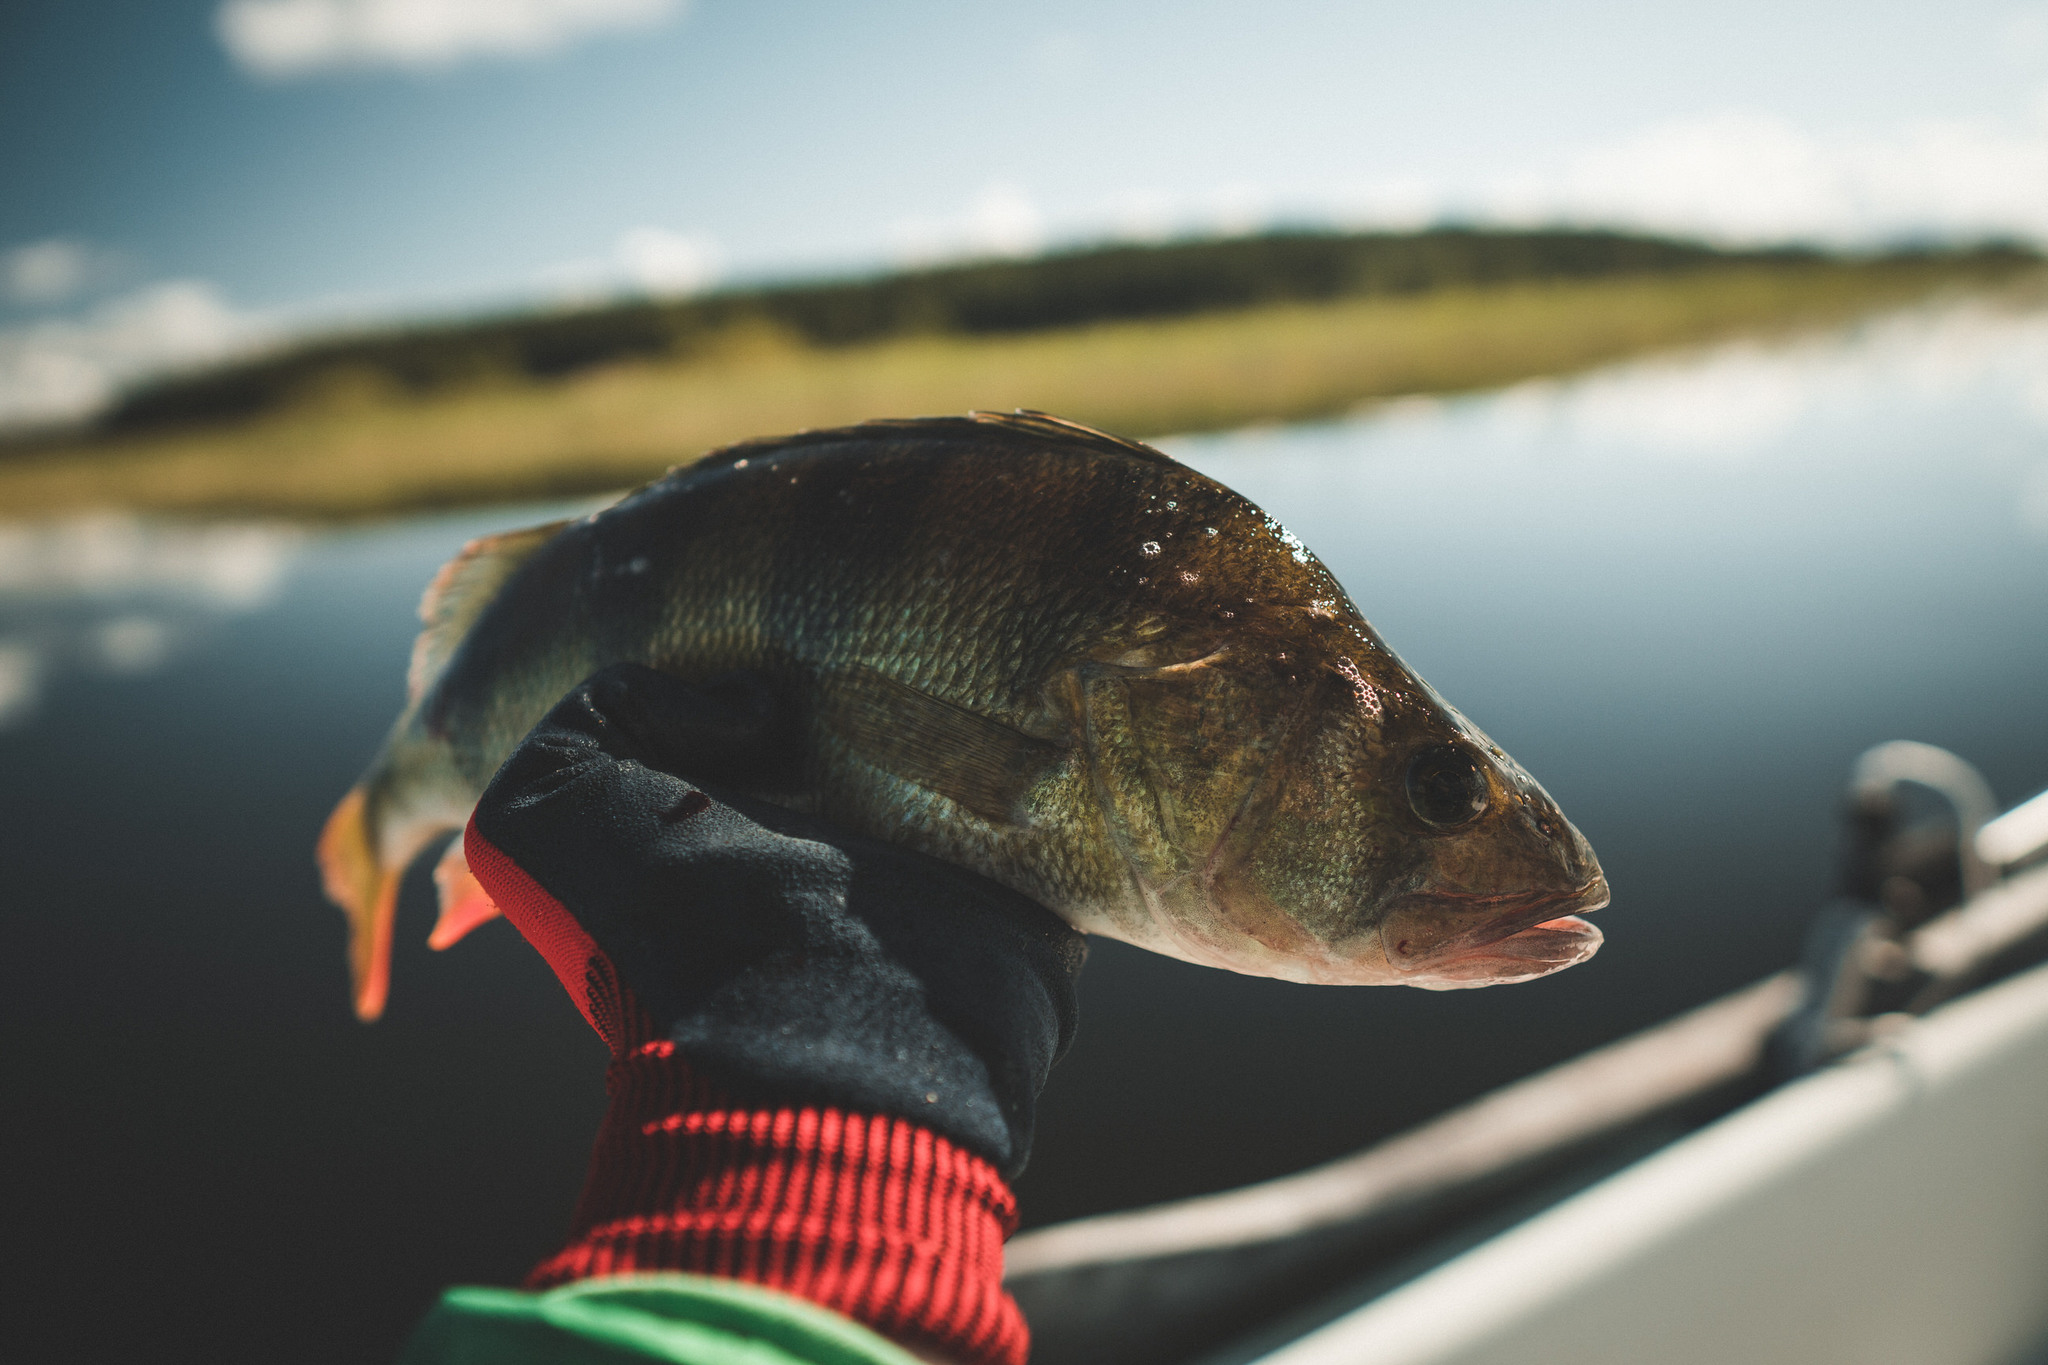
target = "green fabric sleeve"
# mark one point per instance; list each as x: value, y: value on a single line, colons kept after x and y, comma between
x: 634, y: 1319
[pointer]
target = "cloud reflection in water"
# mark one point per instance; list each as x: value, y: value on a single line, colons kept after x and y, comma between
x: 1960, y: 385
x: 117, y: 594
x: 1734, y: 401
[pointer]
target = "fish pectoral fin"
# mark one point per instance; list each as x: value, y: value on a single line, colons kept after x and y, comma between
x: 974, y: 761
x: 464, y: 904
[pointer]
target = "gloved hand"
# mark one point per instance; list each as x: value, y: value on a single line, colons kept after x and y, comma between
x: 777, y: 995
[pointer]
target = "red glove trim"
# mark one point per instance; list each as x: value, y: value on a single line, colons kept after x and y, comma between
x: 578, y: 963
x: 871, y: 1216
x: 868, y: 1215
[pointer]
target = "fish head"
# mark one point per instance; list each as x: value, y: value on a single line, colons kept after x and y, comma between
x: 1339, y: 822
x: 1495, y: 878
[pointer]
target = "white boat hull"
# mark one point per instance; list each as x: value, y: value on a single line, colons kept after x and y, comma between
x: 1889, y: 1210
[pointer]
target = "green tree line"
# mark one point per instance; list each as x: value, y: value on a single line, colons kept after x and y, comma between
x: 981, y: 298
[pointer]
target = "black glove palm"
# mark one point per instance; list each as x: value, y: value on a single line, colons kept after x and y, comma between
x: 788, y: 959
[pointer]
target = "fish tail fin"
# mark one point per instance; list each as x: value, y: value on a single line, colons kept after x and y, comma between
x: 366, y: 889
x: 464, y: 904
x: 412, y: 792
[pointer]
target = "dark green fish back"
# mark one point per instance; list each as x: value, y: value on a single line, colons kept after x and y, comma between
x: 919, y: 586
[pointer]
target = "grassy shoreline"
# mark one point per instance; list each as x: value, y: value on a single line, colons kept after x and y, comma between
x: 361, y: 450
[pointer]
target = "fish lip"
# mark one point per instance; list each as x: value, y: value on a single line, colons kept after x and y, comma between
x: 1502, y: 918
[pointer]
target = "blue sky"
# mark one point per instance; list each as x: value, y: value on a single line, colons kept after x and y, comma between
x: 187, y: 176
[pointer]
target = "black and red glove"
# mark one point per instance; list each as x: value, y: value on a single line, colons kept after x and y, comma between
x: 827, y: 1050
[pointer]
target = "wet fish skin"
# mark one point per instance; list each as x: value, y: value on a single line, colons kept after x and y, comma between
x: 1058, y: 658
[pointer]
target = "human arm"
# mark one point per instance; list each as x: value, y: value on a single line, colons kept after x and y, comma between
x: 826, y: 1050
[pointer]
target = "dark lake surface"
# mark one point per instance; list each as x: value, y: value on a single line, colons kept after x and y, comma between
x: 1684, y: 593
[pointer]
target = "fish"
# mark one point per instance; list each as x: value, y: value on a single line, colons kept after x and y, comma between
x: 1053, y: 656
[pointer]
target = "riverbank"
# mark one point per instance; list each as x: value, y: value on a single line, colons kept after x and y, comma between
x: 355, y: 449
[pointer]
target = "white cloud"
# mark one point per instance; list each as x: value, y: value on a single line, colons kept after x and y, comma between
x: 1005, y: 221
x: 284, y: 38
x: 1001, y: 221
x: 664, y: 262
x: 644, y: 260
x: 59, y: 369
x: 1737, y: 177
x: 48, y: 272
x: 1237, y: 210
x: 1756, y: 177
x: 1143, y: 215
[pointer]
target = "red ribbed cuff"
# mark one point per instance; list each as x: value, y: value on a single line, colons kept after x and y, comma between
x: 871, y: 1216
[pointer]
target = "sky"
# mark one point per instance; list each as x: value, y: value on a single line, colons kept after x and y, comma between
x: 183, y: 179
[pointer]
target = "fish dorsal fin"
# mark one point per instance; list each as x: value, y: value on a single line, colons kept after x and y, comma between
x: 972, y: 760
x: 460, y: 592
x: 1019, y: 427
x: 1046, y: 427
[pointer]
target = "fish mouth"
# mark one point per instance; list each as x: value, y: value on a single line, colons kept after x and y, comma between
x: 1447, y: 941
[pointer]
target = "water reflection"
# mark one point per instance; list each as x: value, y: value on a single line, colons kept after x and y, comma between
x: 113, y: 593
x: 1684, y: 592
x: 2034, y: 499
x: 1738, y: 401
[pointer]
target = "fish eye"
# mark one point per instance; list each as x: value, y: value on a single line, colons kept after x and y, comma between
x: 1446, y: 787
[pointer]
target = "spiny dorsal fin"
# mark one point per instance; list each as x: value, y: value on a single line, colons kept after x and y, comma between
x: 1045, y: 426
x: 460, y: 592
x: 1023, y: 424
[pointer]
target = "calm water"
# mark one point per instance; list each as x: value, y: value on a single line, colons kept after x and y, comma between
x: 1685, y: 594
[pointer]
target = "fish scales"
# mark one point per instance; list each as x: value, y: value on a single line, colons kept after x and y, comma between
x: 1053, y: 656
